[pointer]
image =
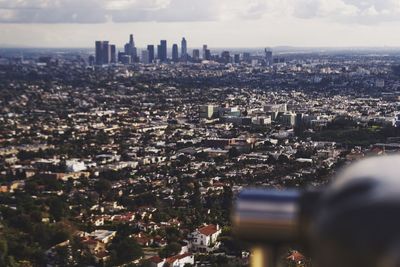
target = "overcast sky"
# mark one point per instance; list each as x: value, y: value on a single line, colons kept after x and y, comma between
x: 219, y: 23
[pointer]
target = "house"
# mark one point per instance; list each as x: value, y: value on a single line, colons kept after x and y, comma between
x: 156, y: 261
x: 143, y: 240
x: 180, y: 260
x: 103, y: 236
x: 205, y: 238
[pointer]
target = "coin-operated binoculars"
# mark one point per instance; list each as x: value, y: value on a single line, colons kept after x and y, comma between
x: 355, y: 221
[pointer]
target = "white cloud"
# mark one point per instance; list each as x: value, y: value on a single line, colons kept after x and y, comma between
x: 98, y: 11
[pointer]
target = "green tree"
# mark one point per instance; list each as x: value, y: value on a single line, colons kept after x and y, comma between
x: 170, y: 250
x: 125, y: 250
x: 58, y: 208
x: 102, y: 187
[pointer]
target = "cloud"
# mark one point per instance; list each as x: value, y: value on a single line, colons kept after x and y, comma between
x: 349, y: 11
x: 100, y: 11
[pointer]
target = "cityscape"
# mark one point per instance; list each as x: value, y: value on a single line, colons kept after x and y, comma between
x: 137, y: 162
x: 106, y: 54
x: 187, y: 133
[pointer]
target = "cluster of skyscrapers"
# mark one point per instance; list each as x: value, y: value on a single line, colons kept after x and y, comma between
x: 106, y: 54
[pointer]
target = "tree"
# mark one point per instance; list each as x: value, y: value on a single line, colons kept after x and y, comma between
x: 125, y: 250
x: 102, y: 187
x: 170, y: 250
x: 58, y: 208
x: 3, y: 252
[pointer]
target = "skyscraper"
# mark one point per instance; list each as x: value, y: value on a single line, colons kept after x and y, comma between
x: 106, y: 52
x: 268, y: 57
x: 225, y: 57
x: 207, y: 54
x: 184, y: 49
x: 113, y: 52
x: 131, y: 41
x: 236, y: 58
x: 150, y: 49
x: 159, y: 52
x: 204, y: 51
x: 175, y: 55
x: 163, y: 51
x: 99, y: 54
x: 196, y: 54
x: 130, y: 49
x: 145, y: 57
x: 247, y: 57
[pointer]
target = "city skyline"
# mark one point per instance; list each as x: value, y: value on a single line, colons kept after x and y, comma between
x: 236, y: 23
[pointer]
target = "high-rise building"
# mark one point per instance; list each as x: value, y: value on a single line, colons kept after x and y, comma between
x: 225, y: 57
x: 236, y: 58
x: 268, y: 57
x: 130, y: 49
x: 207, y: 54
x: 103, y: 52
x: 150, y: 49
x: 159, y: 52
x: 113, y: 52
x: 99, y: 53
x: 106, y: 52
x: 162, y: 56
x: 126, y: 59
x: 175, y: 55
x: 208, y: 111
x: 131, y: 41
x: 184, y: 49
x: 145, y: 57
x: 247, y: 57
x: 196, y: 54
x: 120, y: 55
x: 204, y: 51
x: 91, y: 60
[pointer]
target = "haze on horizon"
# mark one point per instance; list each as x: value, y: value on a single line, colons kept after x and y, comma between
x: 218, y: 23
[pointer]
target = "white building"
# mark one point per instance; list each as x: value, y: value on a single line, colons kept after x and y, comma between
x: 74, y: 165
x: 205, y: 238
x: 103, y: 236
x: 175, y: 261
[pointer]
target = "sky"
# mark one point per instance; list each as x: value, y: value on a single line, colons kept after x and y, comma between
x: 218, y: 23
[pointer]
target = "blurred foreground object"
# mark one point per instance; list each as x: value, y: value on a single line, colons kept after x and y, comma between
x: 353, y: 222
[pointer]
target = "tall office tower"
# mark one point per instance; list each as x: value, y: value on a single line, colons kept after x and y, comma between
x: 127, y: 49
x: 150, y: 49
x: 207, y: 54
x: 145, y: 57
x: 91, y: 60
x: 204, y: 51
x: 225, y: 57
x: 196, y: 54
x: 99, y: 53
x: 113, y: 54
x: 130, y: 49
x: 131, y: 41
x: 163, y: 51
x: 120, y: 55
x: 236, y: 58
x: 268, y: 57
x: 247, y: 57
x: 175, y: 55
x: 126, y: 59
x: 106, y: 53
x: 184, y: 49
x: 159, y: 52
